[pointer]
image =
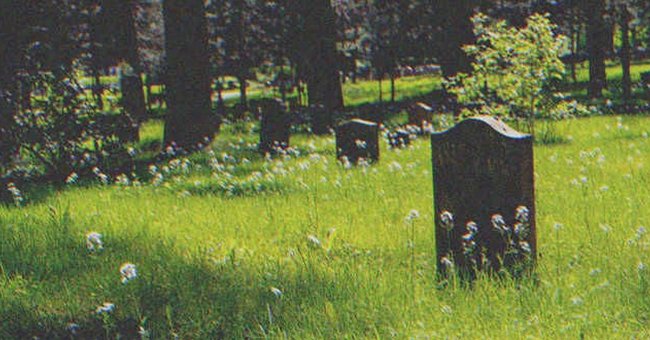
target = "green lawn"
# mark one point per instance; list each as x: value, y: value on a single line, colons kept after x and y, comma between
x: 213, y: 243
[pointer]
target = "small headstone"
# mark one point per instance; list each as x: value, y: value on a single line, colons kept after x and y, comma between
x: 357, y: 139
x: 420, y: 115
x: 483, y: 173
x: 645, y: 78
x: 276, y: 123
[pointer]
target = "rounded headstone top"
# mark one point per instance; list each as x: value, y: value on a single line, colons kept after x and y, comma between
x: 359, y: 121
x: 495, y: 124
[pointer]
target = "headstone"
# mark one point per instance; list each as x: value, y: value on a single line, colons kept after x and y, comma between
x: 276, y: 123
x: 483, y: 173
x: 645, y: 78
x: 321, y: 120
x: 420, y: 115
x: 357, y: 139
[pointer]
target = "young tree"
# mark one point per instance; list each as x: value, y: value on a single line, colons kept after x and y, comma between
x: 189, y: 118
x: 514, y: 71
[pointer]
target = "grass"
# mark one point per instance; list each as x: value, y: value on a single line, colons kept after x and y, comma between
x: 210, y: 244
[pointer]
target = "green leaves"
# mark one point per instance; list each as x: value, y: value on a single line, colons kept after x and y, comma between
x: 514, y: 69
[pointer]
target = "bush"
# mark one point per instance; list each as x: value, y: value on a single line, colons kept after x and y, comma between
x: 62, y: 132
x: 514, y: 72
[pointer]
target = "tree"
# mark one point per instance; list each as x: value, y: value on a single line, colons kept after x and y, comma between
x: 189, y: 118
x: 313, y: 45
x: 625, y: 18
x: 597, y: 35
x: 455, y: 32
x: 514, y: 71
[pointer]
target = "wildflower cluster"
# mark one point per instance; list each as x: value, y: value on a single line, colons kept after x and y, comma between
x: 128, y: 272
x: 94, y: 241
x: 16, y: 194
x: 515, y: 238
x: 402, y: 136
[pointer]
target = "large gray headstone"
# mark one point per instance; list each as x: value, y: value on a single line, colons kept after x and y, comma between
x: 482, y: 169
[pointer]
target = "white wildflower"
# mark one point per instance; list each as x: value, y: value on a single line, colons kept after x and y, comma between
x: 94, y: 241
x: 106, y: 308
x: 276, y: 292
x: 128, y: 272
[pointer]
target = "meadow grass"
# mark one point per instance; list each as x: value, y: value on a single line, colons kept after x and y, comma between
x: 308, y: 249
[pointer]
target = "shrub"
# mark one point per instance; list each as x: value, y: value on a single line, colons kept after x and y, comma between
x: 62, y: 132
x: 515, y: 71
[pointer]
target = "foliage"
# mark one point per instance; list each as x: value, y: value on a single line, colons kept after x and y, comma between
x: 55, y: 135
x: 515, y: 71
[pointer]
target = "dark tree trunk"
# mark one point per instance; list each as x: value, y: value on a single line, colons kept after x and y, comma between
x: 243, y: 98
x: 596, y: 44
x: 456, y: 32
x: 132, y: 90
x: 381, y: 91
x: 319, y: 60
x: 392, y: 87
x: 148, y: 89
x: 625, y: 53
x: 25, y: 94
x: 574, y: 33
x: 9, y: 46
x: 189, y: 118
x: 98, y: 88
x: 133, y: 103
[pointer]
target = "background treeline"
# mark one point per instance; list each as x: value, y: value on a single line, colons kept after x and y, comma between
x: 57, y: 108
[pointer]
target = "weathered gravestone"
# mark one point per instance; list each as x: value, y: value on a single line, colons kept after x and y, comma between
x: 357, y: 139
x: 484, y: 197
x: 420, y: 114
x: 276, y: 123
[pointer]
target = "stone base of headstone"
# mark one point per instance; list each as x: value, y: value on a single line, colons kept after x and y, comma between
x: 357, y: 139
x: 276, y: 125
x: 484, y: 197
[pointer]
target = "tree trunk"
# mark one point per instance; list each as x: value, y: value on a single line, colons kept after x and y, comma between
x: 381, y: 91
x: 243, y: 99
x: 132, y: 89
x: 133, y: 103
x: 148, y: 89
x: 25, y: 94
x: 457, y: 31
x: 625, y: 53
x: 574, y: 45
x: 189, y: 118
x: 319, y: 60
x: 9, y: 45
x: 98, y: 88
x: 392, y: 87
x: 596, y: 44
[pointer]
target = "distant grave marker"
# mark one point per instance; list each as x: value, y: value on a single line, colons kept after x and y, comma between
x: 645, y: 78
x: 357, y: 139
x: 420, y: 114
x: 276, y: 123
x: 483, y: 173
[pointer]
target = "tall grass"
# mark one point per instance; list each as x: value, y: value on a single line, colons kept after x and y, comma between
x: 320, y: 251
